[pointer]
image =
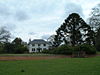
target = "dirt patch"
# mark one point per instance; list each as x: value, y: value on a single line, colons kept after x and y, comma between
x: 10, y: 58
x: 31, y: 57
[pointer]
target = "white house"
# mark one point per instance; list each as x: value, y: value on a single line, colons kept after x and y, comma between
x: 38, y: 45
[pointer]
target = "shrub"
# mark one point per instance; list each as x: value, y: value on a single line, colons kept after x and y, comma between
x: 8, y: 48
x: 89, y: 49
x: 63, y: 49
x: 20, y: 49
x: 45, y: 51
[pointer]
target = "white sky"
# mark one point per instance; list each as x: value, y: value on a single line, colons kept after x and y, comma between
x: 40, y: 18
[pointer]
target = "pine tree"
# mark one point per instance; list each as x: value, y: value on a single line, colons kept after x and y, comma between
x: 73, y: 30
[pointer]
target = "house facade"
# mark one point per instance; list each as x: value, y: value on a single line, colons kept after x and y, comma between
x: 38, y: 45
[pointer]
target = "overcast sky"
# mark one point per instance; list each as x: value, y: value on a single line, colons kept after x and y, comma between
x: 38, y: 19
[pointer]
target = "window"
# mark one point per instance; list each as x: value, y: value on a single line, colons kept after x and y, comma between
x: 38, y: 44
x: 44, y: 44
x: 33, y: 44
x: 33, y: 49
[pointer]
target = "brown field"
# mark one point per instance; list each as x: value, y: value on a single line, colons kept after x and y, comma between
x: 5, y: 58
x: 31, y: 57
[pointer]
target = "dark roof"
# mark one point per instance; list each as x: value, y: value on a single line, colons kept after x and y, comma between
x: 38, y: 41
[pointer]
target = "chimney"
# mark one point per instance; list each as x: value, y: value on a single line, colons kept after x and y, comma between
x: 29, y: 40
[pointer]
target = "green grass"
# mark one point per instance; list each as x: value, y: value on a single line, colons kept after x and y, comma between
x: 64, y: 66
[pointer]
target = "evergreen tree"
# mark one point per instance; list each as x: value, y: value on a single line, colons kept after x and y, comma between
x: 73, y: 30
x: 90, y: 37
x: 17, y: 41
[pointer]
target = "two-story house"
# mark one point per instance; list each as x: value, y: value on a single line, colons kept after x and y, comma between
x: 38, y: 45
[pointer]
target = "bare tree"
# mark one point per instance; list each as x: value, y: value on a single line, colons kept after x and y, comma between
x: 94, y: 20
x: 4, y: 34
x: 54, y: 40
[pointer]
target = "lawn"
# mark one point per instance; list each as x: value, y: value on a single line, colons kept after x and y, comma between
x: 59, y: 66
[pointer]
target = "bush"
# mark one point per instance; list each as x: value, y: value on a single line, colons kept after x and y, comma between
x: 13, y: 48
x: 65, y: 49
x: 8, y: 48
x: 20, y: 49
x: 89, y: 49
x: 45, y: 51
x: 1, y: 50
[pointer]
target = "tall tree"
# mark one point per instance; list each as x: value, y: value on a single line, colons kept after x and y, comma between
x: 73, y: 30
x: 19, y: 46
x: 17, y: 41
x: 98, y: 40
x: 94, y: 19
x: 94, y: 22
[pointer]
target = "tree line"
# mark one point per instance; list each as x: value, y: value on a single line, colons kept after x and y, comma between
x: 16, y: 46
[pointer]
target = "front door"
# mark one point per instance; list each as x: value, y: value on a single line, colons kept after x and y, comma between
x: 39, y: 49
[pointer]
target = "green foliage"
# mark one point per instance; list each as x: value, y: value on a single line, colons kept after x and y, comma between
x: 89, y: 49
x: 45, y: 51
x: 8, y: 48
x: 18, y: 46
x: 65, y: 49
x: 14, y: 48
x: 20, y: 49
x: 17, y: 41
x: 98, y: 40
x: 1, y: 48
